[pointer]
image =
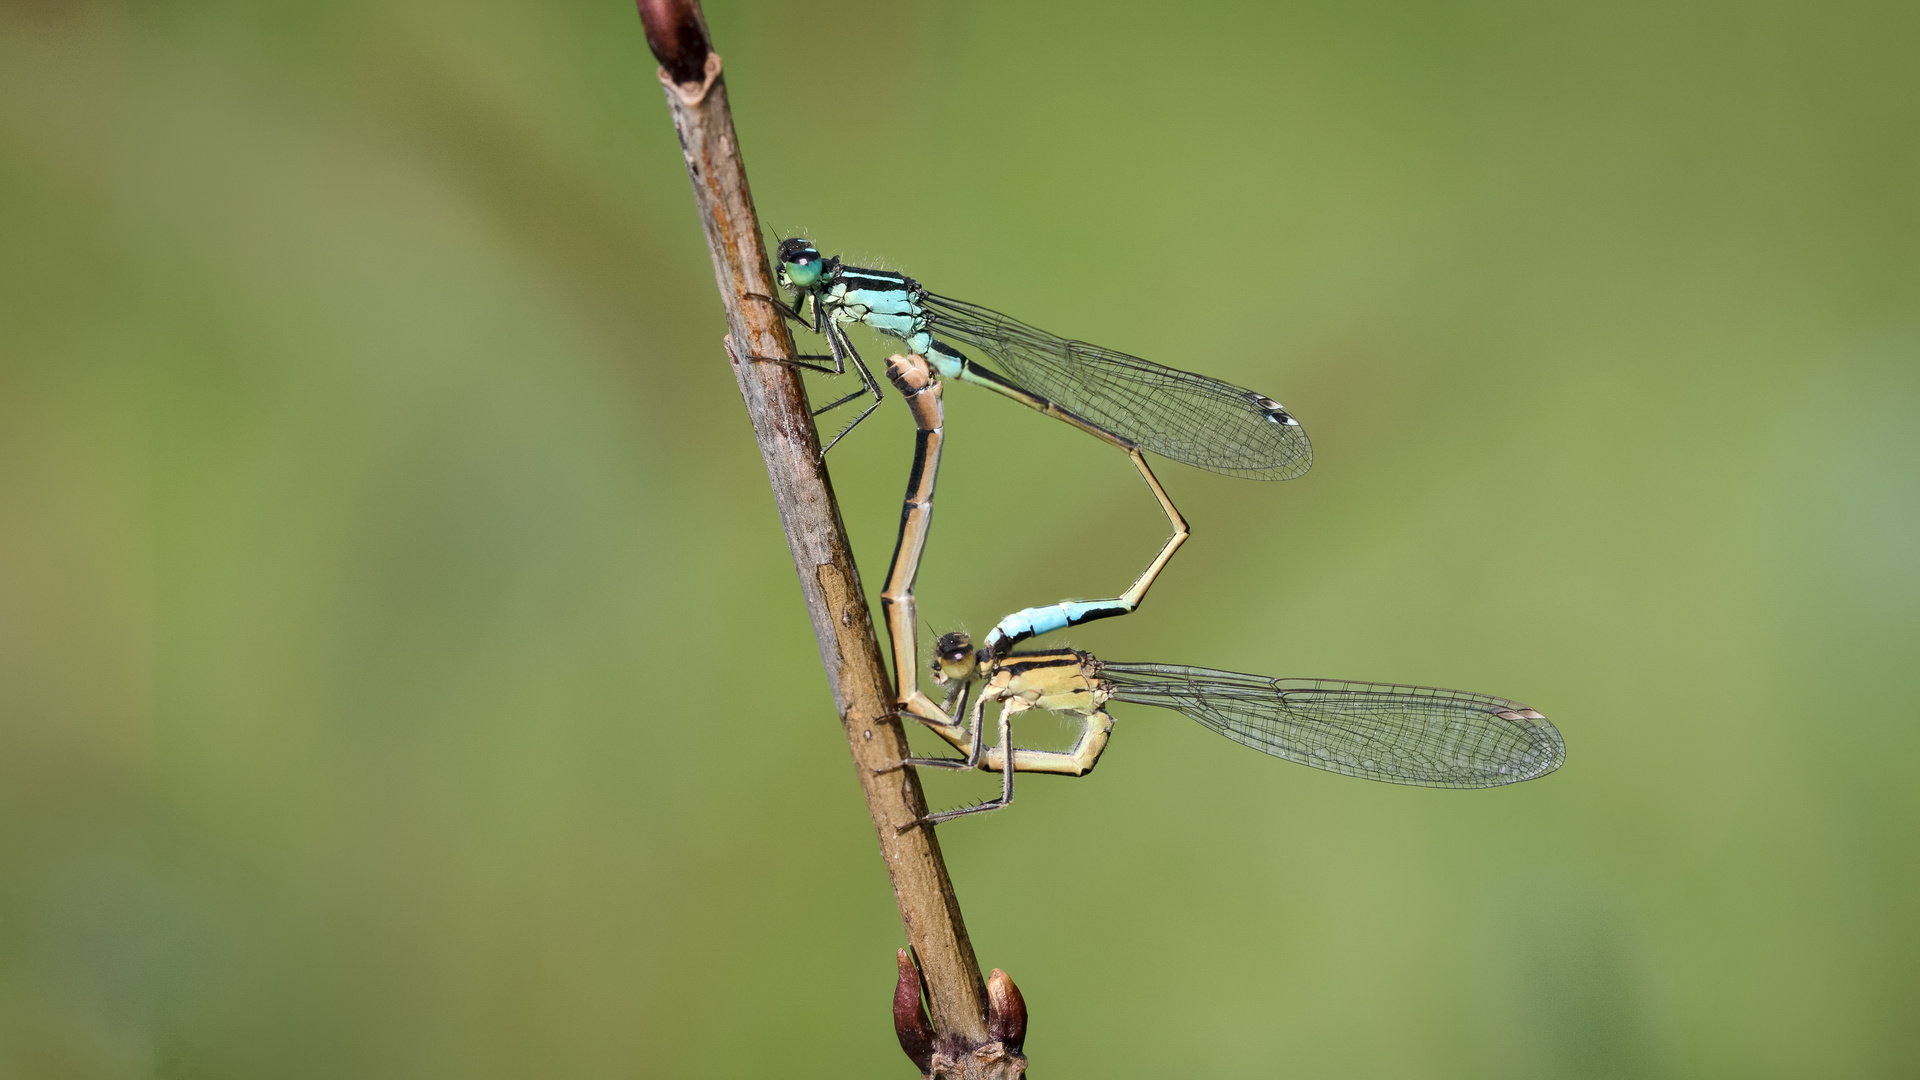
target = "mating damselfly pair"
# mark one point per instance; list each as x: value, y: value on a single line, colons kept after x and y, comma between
x: 1401, y: 734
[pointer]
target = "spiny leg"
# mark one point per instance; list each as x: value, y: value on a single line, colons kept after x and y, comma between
x: 939, y: 721
x: 958, y: 693
x: 791, y: 312
x: 801, y: 362
x: 1007, y: 710
x: 1022, y: 625
x: 872, y: 386
x: 1078, y: 761
x: 840, y: 348
x: 967, y: 741
x: 794, y: 314
x: 836, y: 338
x: 797, y: 312
x: 1095, y: 733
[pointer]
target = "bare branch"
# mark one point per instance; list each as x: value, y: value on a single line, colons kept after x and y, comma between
x: 777, y: 405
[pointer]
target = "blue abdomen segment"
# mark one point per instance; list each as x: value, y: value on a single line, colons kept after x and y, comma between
x: 1035, y: 621
x: 948, y: 360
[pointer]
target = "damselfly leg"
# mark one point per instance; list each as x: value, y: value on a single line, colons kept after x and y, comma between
x: 1055, y: 681
x: 1006, y: 771
x: 956, y: 704
x: 840, y: 350
x: 837, y: 338
x: 793, y: 314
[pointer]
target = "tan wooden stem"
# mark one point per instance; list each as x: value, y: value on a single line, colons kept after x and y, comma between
x: 776, y: 403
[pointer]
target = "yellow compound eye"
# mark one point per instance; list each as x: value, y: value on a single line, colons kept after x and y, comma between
x: 954, y: 658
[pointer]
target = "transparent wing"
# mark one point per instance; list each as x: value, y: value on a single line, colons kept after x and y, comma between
x: 1204, y: 422
x: 1379, y: 731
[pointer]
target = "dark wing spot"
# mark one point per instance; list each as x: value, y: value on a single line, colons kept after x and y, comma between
x: 1273, y: 410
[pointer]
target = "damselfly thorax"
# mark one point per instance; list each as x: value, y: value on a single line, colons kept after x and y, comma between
x: 1057, y: 680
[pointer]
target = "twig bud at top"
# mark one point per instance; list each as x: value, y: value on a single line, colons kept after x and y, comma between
x: 1006, y: 1010
x: 910, y: 1021
x: 677, y: 34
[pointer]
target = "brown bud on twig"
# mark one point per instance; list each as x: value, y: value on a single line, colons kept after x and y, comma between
x: 677, y: 34
x: 1006, y: 1010
x: 910, y: 1021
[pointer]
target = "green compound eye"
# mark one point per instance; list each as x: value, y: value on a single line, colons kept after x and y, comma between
x: 803, y: 274
x: 799, y: 262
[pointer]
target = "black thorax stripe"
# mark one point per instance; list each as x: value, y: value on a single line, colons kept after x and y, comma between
x: 858, y: 278
x: 1020, y: 664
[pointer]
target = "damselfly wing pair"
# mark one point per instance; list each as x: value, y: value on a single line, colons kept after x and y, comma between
x: 1401, y: 734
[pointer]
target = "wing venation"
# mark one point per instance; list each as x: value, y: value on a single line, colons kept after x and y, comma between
x: 1400, y: 734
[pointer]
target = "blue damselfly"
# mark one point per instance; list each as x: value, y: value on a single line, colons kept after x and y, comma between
x: 1133, y: 404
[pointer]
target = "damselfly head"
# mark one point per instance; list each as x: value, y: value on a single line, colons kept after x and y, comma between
x: 953, y: 658
x: 800, y: 263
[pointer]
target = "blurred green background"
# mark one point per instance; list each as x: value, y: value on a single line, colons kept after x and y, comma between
x: 403, y: 673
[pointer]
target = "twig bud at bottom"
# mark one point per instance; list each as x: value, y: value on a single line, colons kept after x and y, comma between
x: 910, y: 1021
x: 1006, y: 1010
